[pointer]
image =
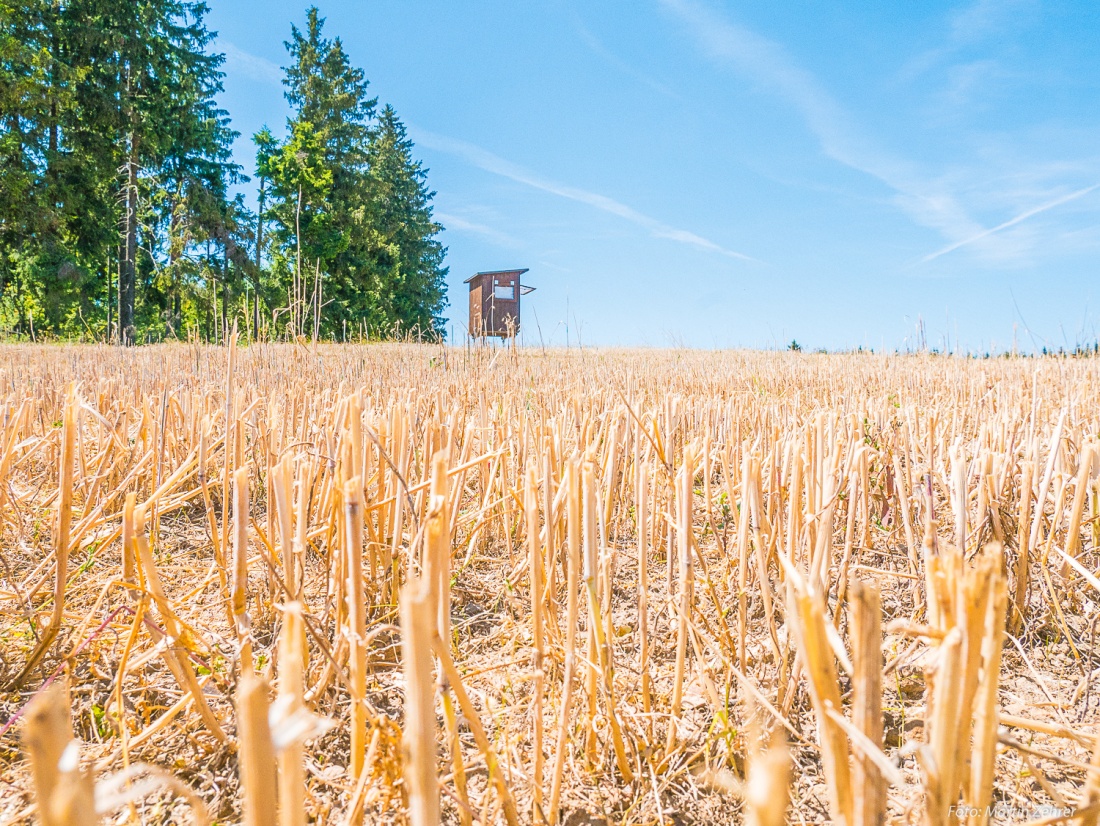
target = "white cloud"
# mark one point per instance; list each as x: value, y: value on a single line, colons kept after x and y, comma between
x: 934, y: 202
x: 969, y: 26
x: 459, y: 224
x: 598, y: 48
x: 252, y: 66
x: 984, y: 18
x: 968, y: 86
x: 1023, y: 216
x: 769, y: 64
x: 496, y: 165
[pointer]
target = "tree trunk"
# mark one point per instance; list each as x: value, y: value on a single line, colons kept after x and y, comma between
x: 297, y: 309
x: 317, y: 301
x: 260, y: 226
x: 55, y: 59
x: 172, y: 305
x: 118, y: 293
x: 225, y: 293
x: 259, y: 254
x: 107, y: 272
x: 128, y: 266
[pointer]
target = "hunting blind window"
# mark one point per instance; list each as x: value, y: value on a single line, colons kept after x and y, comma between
x: 504, y: 292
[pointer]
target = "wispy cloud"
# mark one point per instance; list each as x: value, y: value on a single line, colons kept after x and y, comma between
x: 932, y: 201
x: 768, y: 63
x: 980, y: 19
x: 1023, y: 216
x: 252, y: 66
x: 459, y: 224
x: 496, y: 165
x: 969, y: 25
x: 598, y: 48
x: 969, y: 86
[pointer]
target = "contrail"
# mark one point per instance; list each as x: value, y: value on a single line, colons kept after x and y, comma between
x: 1023, y: 216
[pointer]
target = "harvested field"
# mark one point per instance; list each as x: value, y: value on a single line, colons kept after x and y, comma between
x: 401, y: 583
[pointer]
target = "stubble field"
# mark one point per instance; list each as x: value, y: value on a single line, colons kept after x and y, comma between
x: 407, y: 583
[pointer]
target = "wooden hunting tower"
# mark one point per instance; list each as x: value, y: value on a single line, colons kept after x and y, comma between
x: 494, y: 303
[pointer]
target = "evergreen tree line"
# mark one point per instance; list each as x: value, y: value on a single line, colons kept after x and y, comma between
x: 117, y: 218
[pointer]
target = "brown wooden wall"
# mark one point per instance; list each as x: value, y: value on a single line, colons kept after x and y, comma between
x: 475, y: 309
x: 491, y: 312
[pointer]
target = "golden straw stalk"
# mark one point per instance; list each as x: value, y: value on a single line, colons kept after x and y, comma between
x: 418, y: 740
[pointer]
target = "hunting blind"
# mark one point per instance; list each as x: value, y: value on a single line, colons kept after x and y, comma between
x: 494, y: 303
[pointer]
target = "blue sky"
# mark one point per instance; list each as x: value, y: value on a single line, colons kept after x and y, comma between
x: 718, y: 174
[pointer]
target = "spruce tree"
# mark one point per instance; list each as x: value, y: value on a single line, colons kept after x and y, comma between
x: 115, y: 207
x: 48, y: 222
x: 89, y: 88
x: 353, y: 234
x: 329, y: 264
x: 169, y: 123
x: 408, y: 260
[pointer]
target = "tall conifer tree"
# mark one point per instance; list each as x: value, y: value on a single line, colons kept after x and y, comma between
x: 350, y: 205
